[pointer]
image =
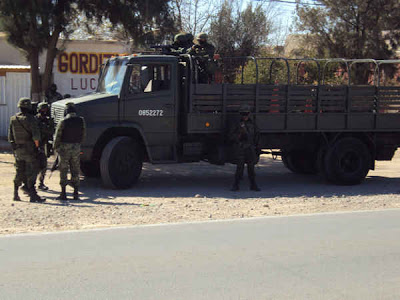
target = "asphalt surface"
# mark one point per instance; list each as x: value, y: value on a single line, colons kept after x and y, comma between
x: 325, y: 256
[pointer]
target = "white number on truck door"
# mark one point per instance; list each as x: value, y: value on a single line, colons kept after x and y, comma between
x: 151, y: 112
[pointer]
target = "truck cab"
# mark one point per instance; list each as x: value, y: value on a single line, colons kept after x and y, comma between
x: 135, y: 106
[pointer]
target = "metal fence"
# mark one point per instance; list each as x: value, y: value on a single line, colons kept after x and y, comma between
x: 13, y: 86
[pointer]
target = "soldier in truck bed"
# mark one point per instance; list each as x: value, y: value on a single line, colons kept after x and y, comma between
x: 203, y: 52
x: 244, y: 136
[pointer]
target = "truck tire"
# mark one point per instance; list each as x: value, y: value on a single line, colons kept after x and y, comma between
x: 90, y: 169
x: 121, y: 163
x: 300, y: 161
x: 347, y: 162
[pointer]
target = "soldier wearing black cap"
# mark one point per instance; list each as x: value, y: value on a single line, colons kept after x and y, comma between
x: 69, y: 135
x: 244, y: 135
x: 46, y: 126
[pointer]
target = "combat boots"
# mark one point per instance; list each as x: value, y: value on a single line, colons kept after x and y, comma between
x: 63, y: 195
x: 235, y: 186
x: 253, y: 186
x: 34, y: 197
x: 76, y: 194
x: 16, y: 196
x: 42, y: 186
x: 25, y: 189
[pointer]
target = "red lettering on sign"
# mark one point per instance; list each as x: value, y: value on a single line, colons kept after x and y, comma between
x: 84, y: 84
x: 93, y: 63
x: 93, y: 83
x: 83, y: 63
x: 72, y: 85
x: 73, y: 63
x: 63, y: 62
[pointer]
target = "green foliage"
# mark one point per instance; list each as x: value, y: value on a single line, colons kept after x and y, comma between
x: 146, y: 22
x: 352, y: 29
x: 239, y: 33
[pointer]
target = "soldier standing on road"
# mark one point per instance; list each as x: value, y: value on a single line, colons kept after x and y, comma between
x: 46, y: 126
x: 24, y: 136
x: 245, y: 138
x: 69, y: 135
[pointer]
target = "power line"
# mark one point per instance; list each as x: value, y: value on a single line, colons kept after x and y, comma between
x: 291, y: 2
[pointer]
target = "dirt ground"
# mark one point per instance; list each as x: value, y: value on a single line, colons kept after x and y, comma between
x: 190, y: 192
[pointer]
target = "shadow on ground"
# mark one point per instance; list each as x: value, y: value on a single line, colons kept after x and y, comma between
x: 204, y: 180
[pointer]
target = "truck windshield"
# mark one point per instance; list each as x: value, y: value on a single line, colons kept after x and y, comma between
x: 112, y: 77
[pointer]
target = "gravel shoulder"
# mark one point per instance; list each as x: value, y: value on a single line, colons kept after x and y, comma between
x: 192, y: 192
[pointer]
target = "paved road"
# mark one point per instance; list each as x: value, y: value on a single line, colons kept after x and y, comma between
x: 328, y: 256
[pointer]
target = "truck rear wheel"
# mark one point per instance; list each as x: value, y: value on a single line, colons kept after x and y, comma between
x: 300, y: 161
x: 347, y: 162
x: 121, y: 163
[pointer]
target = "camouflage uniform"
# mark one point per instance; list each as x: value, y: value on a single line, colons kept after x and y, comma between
x: 245, y: 138
x: 24, y: 136
x: 69, y: 135
x: 46, y: 126
x: 204, y: 55
x: 182, y: 42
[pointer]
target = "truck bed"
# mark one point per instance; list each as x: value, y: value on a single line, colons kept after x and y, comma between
x: 296, y: 108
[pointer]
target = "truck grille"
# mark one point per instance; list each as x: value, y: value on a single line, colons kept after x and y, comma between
x: 57, y: 113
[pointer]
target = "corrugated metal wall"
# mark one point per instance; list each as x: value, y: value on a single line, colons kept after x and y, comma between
x: 13, y: 86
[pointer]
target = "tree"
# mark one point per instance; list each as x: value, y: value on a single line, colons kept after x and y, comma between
x: 240, y: 33
x: 193, y: 16
x: 352, y: 29
x: 35, y: 26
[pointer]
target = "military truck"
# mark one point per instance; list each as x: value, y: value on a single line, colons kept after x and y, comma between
x: 150, y: 108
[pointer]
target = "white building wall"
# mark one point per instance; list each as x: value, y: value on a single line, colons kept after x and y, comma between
x: 13, y: 86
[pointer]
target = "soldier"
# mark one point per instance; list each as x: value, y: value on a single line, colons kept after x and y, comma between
x: 204, y: 55
x: 52, y: 95
x: 24, y: 136
x: 182, y: 42
x: 46, y: 126
x: 69, y: 135
x: 245, y: 138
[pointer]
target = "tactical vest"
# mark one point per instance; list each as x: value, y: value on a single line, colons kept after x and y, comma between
x: 21, y: 130
x: 72, y: 131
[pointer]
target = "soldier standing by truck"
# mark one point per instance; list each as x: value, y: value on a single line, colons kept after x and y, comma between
x: 24, y: 136
x: 69, y: 135
x: 46, y: 126
x: 245, y: 138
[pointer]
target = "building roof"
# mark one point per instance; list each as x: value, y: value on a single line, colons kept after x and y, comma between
x: 14, y: 67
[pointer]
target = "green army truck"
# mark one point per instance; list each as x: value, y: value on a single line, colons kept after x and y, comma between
x: 150, y: 108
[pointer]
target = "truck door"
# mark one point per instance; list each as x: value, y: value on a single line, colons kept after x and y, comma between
x: 150, y: 103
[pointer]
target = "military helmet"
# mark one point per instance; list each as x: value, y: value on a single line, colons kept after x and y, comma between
x: 189, y: 37
x: 69, y: 108
x: 244, y: 108
x: 180, y: 37
x: 202, y: 36
x: 43, y: 105
x: 25, y: 103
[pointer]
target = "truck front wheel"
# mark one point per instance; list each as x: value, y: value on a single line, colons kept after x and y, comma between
x: 121, y: 163
x: 347, y: 162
